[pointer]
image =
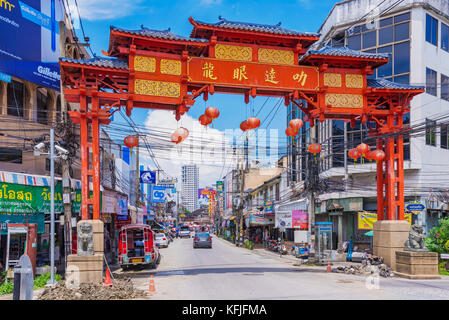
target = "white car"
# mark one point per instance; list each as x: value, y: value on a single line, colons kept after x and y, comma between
x: 161, y: 240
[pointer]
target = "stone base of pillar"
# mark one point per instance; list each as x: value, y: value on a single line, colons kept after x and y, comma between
x: 389, y: 236
x: 85, y: 269
x: 417, y: 265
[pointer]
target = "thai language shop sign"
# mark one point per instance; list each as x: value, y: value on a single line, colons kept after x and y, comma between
x: 367, y: 219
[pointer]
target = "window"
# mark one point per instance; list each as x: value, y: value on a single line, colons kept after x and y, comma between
x: 430, y: 132
x: 431, y: 82
x: 11, y: 155
x: 431, y: 30
x: 354, y: 42
x: 15, y: 93
x: 402, y: 57
x: 41, y: 107
x: 401, y: 31
x: 444, y: 137
x: 445, y: 37
x: 444, y: 87
x: 369, y: 39
x: 387, y: 69
x: 386, y: 35
x: 338, y: 143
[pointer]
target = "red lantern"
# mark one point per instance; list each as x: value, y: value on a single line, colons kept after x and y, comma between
x: 205, y: 120
x: 363, y: 149
x: 378, y: 155
x: 253, y: 122
x: 179, y: 135
x: 212, y: 112
x: 354, y: 154
x: 314, y: 148
x: 290, y: 132
x: 244, y: 126
x: 295, y: 124
x: 131, y: 141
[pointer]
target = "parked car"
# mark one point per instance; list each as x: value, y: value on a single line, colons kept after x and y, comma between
x: 202, y: 239
x: 137, y: 246
x: 162, y: 240
x: 184, y: 231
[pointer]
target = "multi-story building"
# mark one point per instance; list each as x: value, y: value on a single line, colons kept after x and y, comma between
x: 190, y: 185
x: 415, y: 35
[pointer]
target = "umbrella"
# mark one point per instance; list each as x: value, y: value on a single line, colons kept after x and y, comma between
x: 369, y: 233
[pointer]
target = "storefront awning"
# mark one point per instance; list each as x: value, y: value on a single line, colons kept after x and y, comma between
x: 33, y: 179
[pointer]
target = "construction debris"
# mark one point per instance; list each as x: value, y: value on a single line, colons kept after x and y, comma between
x: 371, y: 265
x: 121, y: 289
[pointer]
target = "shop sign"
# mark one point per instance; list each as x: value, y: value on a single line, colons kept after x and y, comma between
x: 415, y: 207
x: 122, y: 207
x: 268, y: 207
x: 106, y: 217
x: 8, y: 218
x: 366, y: 220
x: 300, y: 219
x: 109, y: 201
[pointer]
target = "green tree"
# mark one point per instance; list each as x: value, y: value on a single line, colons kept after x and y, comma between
x: 438, y: 238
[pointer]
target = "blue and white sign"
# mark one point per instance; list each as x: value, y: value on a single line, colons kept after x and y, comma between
x: 158, y: 194
x: 415, y: 207
x: 148, y: 177
x: 29, y: 40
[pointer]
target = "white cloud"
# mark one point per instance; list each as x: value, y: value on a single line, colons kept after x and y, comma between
x: 210, y: 2
x: 105, y: 9
x: 203, y: 147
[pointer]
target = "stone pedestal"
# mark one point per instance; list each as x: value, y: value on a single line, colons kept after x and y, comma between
x: 89, y: 267
x: 417, y: 265
x: 389, y: 236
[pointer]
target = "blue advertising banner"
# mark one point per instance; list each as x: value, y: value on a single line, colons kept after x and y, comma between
x: 148, y: 177
x: 29, y: 40
x: 158, y: 194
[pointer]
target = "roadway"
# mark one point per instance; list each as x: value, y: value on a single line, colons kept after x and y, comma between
x: 228, y: 272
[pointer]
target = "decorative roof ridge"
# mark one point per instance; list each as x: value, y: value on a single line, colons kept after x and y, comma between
x: 333, y: 51
x: 105, y: 62
x: 237, y: 25
x: 381, y: 83
x: 160, y: 34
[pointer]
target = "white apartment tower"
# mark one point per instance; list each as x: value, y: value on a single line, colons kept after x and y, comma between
x: 415, y: 35
x: 190, y: 185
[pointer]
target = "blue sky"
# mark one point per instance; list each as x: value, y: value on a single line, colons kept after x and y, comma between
x: 300, y: 15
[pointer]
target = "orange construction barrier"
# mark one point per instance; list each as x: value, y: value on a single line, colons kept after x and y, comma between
x: 328, y: 267
x: 107, y: 280
x: 151, y: 289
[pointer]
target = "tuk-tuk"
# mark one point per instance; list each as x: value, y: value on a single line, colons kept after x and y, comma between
x: 137, y: 246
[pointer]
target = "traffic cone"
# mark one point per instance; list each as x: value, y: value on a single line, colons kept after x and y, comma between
x: 107, y: 279
x: 151, y: 289
x: 328, y: 267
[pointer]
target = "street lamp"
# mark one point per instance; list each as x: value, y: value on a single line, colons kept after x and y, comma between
x: 62, y: 153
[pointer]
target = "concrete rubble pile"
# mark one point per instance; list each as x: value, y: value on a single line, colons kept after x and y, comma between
x: 121, y: 289
x: 370, y: 265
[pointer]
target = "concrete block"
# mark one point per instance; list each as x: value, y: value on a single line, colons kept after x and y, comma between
x: 417, y: 265
x: 388, y: 254
x: 391, y: 225
x: 389, y: 239
x: 98, y: 243
x: 89, y: 269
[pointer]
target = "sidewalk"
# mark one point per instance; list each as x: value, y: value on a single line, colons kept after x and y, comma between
x: 36, y: 293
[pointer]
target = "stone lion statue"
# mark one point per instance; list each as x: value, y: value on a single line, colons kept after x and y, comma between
x: 85, y: 239
x: 415, y: 241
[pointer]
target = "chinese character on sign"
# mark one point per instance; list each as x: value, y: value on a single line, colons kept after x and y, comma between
x: 301, y: 78
x: 240, y: 73
x: 208, y: 71
x: 270, y: 76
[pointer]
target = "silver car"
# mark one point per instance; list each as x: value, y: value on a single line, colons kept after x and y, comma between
x: 202, y: 240
x: 161, y: 240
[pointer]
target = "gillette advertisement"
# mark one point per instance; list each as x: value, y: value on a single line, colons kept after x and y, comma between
x: 29, y: 40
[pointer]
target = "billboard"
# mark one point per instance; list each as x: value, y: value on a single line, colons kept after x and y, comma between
x: 29, y: 40
x: 366, y: 220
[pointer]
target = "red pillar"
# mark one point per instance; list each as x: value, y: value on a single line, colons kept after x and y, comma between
x: 380, y: 184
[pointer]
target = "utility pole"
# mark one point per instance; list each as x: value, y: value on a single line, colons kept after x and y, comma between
x: 66, y: 189
x: 312, y: 186
x: 137, y: 176
x: 52, y: 208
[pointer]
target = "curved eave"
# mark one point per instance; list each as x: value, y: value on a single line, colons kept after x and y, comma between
x: 326, y: 58
x: 396, y: 90
x: 64, y: 64
x: 188, y: 42
x: 209, y: 27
